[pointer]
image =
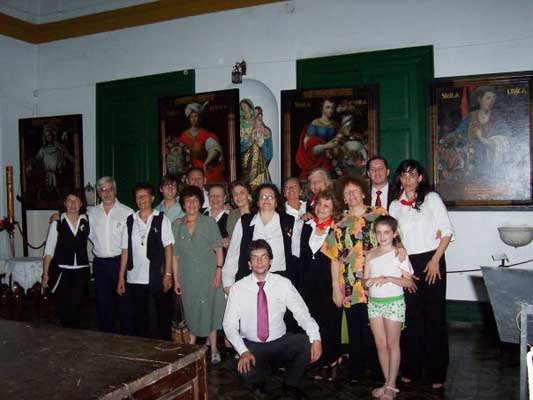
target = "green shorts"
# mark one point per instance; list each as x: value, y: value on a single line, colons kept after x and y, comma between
x: 391, y: 308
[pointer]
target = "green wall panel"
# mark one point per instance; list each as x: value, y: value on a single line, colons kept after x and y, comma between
x: 127, y: 127
x: 401, y: 75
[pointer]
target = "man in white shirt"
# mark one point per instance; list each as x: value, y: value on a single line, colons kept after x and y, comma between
x: 196, y: 177
x: 107, y: 221
x: 378, y: 171
x: 254, y: 325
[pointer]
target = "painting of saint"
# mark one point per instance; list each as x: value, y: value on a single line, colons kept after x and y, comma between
x: 256, y: 144
x: 479, y: 152
x: 199, y: 131
x: 51, y: 159
x: 333, y: 129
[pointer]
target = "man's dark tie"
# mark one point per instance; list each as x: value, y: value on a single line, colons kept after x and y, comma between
x: 378, y: 198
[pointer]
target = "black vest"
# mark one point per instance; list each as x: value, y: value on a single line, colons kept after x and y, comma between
x: 287, y: 224
x: 69, y: 245
x: 155, y: 252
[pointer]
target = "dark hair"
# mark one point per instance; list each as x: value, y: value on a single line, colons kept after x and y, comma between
x: 192, y: 169
x: 292, y: 178
x: 391, y: 222
x: 80, y: 194
x: 423, y: 188
x: 376, y: 158
x: 349, y: 180
x: 144, y: 186
x: 329, y: 194
x: 191, y: 191
x: 385, y: 220
x: 279, y: 199
x: 217, y: 185
x: 235, y: 184
x: 169, y: 180
x: 260, y: 244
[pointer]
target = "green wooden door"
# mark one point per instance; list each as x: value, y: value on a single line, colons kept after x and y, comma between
x: 127, y: 127
x: 401, y: 75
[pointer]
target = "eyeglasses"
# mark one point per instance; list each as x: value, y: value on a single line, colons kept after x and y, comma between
x: 106, y: 190
x: 267, y: 197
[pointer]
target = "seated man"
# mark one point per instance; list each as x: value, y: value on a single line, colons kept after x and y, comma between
x: 257, y: 304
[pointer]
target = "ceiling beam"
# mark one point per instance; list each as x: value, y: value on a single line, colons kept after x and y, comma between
x: 143, y: 14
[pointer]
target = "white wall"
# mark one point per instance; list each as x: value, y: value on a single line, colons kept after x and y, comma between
x: 469, y: 37
x: 18, y: 62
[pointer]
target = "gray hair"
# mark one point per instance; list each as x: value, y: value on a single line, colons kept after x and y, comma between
x: 106, y: 179
x: 323, y: 174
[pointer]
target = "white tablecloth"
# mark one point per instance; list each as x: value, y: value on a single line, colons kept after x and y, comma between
x: 26, y: 271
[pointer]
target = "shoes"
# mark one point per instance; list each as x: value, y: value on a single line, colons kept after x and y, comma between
x: 389, y: 393
x: 438, y: 387
x: 215, y: 358
x: 378, y: 392
x: 294, y: 392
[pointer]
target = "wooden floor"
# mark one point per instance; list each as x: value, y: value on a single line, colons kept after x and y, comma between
x: 480, y: 366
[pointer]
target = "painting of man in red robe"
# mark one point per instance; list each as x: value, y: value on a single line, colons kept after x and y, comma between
x: 200, y: 130
x: 203, y: 147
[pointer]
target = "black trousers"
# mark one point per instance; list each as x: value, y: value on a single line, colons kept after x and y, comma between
x: 108, y: 302
x: 424, y: 342
x: 147, y: 312
x: 69, y: 294
x: 362, y: 350
x: 292, y: 351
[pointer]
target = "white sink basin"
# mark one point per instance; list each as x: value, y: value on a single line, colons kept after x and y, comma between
x: 516, y: 236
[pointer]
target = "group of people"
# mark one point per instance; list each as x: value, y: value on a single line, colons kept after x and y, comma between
x: 276, y: 272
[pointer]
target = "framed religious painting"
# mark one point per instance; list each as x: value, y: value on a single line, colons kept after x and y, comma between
x: 335, y: 129
x: 480, y: 140
x: 51, y: 159
x: 200, y: 130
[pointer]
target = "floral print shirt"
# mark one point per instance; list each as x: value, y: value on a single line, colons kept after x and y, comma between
x: 348, y: 244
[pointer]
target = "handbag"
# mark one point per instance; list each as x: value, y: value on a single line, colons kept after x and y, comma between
x: 179, y: 330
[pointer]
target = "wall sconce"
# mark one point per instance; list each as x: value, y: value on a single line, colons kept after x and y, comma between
x: 239, y: 69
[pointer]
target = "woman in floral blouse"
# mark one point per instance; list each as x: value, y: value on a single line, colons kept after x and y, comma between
x: 346, y: 246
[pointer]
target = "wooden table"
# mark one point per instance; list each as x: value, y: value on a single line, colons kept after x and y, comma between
x: 51, y: 363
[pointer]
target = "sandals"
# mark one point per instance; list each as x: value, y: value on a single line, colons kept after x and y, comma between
x: 378, y: 392
x: 389, y: 393
x: 215, y: 358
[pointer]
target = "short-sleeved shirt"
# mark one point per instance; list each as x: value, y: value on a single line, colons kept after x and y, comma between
x: 347, y: 244
x: 140, y: 274
x: 173, y: 212
x: 388, y: 264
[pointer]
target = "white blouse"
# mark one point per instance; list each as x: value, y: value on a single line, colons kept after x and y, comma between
x: 316, y: 241
x: 418, y: 228
x: 140, y: 274
x: 51, y: 240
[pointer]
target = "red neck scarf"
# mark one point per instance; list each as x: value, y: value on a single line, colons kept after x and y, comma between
x: 408, y: 203
x: 323, y: 225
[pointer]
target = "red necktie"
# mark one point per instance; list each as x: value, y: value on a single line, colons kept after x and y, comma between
x: 378, y: 198
x: 262, y: 313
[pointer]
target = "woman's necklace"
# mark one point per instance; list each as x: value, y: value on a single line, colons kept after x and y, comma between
x: 138, y: 227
